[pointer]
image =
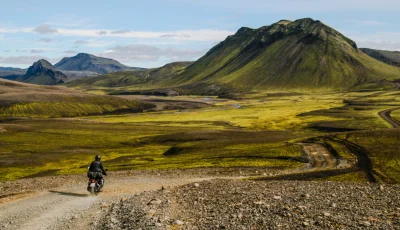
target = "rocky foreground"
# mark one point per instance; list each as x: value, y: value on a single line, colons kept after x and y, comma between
x: 238, y: 204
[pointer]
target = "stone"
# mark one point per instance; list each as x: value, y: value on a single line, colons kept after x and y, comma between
x: 179, y: 222
x: 154, y: 201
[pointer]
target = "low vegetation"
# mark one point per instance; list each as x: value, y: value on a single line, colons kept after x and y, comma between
x: 256, y: 130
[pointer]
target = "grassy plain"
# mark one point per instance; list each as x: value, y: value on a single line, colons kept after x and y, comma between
x: 256, y: 130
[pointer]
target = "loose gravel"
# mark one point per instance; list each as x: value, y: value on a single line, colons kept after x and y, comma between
x: 238, y: 204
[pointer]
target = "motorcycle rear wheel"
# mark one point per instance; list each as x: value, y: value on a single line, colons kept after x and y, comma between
x: 92, y: 191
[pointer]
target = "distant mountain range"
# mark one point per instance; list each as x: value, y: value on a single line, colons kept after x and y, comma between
x: 91, y: 63
x: 68, y: 69
x: 11, y: 73
x: 288, y: 55
x: 142, y: 77
x: 389, y: 57
x: 298, y: 55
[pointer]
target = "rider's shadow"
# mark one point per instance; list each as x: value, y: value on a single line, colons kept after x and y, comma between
x: 69, y: 193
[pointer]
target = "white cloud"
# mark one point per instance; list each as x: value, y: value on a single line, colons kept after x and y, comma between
x: 189, y: 35
x: 37, y: 51
x: 380, y: 40
x: 367, y: 22
x: 92, y: 43
x: 102, y: 32
x: 296, y: 6
x: 1, y: 36
x: 71, y: 52
x: 44, y: 29
x: 147, y: 53
x: 120, y: 31
x: 45, y: 40
x: 80, y: 42
x: 18, y: 60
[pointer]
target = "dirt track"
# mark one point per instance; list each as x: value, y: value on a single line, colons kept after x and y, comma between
x: 65, y: 208
x: 386, y: 116
x: 71, y: 207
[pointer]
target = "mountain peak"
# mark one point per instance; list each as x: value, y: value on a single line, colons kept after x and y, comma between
x: 44, y: 63
x: 304, y: 53
x: 42, y: 72
x: 84, y: 55
x: 91, y: 63
x: 284, y: 22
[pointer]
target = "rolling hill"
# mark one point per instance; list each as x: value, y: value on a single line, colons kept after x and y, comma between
x: 149, y: 77
x: 289, y: 55
x: 42, y: 73
x: 18, y: 99
x: 90, y: 63
x: 389, y: 57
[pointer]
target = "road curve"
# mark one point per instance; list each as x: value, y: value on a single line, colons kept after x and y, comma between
x: 319, y: 157
x: 385, y: 115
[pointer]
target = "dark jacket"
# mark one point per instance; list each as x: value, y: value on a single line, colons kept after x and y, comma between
x: 97, y: 166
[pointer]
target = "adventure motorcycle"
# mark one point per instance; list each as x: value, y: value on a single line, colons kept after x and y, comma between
x: 95, y: 186
x: 95, y: 183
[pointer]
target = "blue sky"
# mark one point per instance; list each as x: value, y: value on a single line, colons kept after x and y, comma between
x: 152, y: 33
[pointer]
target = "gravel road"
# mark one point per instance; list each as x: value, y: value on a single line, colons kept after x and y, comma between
x: 62, y: 202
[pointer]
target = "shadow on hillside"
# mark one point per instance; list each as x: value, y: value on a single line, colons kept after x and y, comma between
x: 69, y: 193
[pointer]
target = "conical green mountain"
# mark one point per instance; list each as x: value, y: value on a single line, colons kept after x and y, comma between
x: 296, y: 55
x: 300, y: 54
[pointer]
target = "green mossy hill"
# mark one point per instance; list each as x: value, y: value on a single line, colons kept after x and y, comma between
x: 150, y: 77
x: 303, y: 54
x: 389, y: 57
x: 299, y: 55
x: 42, y: 73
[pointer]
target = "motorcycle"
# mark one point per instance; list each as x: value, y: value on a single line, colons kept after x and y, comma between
x: 95, y: 185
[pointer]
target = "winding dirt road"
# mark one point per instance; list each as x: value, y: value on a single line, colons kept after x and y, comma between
x: 385, y: 115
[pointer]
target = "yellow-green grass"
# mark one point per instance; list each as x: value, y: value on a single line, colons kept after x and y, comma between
x: 67, y: 108
x: 382, y: 147
x: 283, y: 112
x: 37, y: 147
x: 271, y: 114
x: 217, y: 136
x: 357, y: 177
x: 396, y: 114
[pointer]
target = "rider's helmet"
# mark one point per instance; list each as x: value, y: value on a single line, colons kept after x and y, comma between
x: 97, y: 157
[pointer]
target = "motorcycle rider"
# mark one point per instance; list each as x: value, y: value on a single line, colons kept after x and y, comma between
x: 96, y: 171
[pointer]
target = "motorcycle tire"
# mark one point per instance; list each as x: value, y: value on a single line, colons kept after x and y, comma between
x: 92, y: 191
